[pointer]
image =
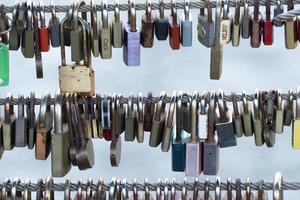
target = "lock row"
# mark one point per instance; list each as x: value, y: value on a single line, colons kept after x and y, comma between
x: 122, y: 189
x: 193, y: 127
x: 27, y: 29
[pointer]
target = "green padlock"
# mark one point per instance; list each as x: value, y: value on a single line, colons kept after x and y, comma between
x: 4, y: 65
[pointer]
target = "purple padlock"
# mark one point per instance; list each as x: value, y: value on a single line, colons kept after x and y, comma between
x: 131, y: 48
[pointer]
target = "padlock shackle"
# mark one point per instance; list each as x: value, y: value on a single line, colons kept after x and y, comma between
x: 58, y: 122
x: 112, y: 189
x: 237, y: 12
x: 8, y: 109
x: 15, y: 11
x: 49, y: 193
x: 44, y: 108
x: 222, y: 107
x: 20, y: 106
x: 129, y: 105
x: 171, y: 112
x: 278, y: 102
x: 211, y: 118
x: 104, y: 5
x: 94, y: 20
x: 256, y: 110
x: 194, y: 117
x: 105, y: 113
x: 29, y: 23
x: 209, y: 11
x: 256, y: 10
x: 160, y: 108
x: 140, y: 108
x: 186, y: 10
x: 179, y: 115
x: 218, y: 195
x: 236, y: 111
x: 268, y: 10
x: 161, y: 9
x: 132, y: 16
x: 77, y: 5
x: 117, y: 11
x: 174, y: 11
x: 41, y: 8
x: 225, y: 9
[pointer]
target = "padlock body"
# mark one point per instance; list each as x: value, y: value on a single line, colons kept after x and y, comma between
x: 117, y: 34
x: 60, y: 158
x: 226, y: 136
x: 206, y: 31
x: 105, y: 43
x: 225, y: 36
x: 288, y: 116
x: 278, y: 121
x: 235, y: 34
x: 8, y: 136
x: 131, y: 48
x: 161, y: 28
x: 246, y: 26
x: 193, y: 156
x: 211, y: 159
x: 88, y: 130
x: 174, y: 38
x: 258, y: 132
x: 107, y: 134
x: 166, y: 141
x: 186, y: 33
x: 27, y: 47
x: 156, y: 134
x: 54, y: 32
x: 77, y: 79
x: 247, y: 125
x: 178, y: 156
x: 296, y: 134
x: 238, y: 126
x: 147, y: 32
x: 76, y: 38
x: 21, y: 132
x: 130, y: 128
x: 14, y: 38
x: 290, y: 33
x: 256, y: 33
x: 268, y: 32
x: 44, y: 39
x: 4, y: 65
x: 42, y: 147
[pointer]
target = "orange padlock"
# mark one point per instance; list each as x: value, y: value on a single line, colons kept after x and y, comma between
x: 43, y: 31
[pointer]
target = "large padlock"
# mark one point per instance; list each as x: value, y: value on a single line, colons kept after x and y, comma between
x: 77, y: 78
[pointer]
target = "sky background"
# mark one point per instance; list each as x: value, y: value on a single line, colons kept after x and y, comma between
x: 161, y: 68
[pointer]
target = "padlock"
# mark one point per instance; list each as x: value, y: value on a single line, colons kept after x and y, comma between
x: 278, y: 9
x: 168, y: 129
x: 8, y: 126
x: 211, y: 148
x: 290, y: 29
x: 236, y: 117
x: 174, y: 28
x: 95, y: 125
x: 131, y: 48
x: 246, y: 116
x: 27, y: 46
x: 278, y: 113
x: 21, y: 130
x: 99, y: 116
x: 14, y: 36
x: 226, y: 24
x: 119, y: 123
x: 95, y: 39
x: 1, y: 141
x: 161, y: 23
x: 31, y: 119
x: 158, y: 122
x: 43, y: 30
x: 268, y: 30
x: 105, y: 34
x: 149, y: 112
x: 140, y: 119
x: 206, y: 26
x: 202, y: 117
x: 77, y: 78
x: 246, y: 21
x: 60, y: 141
x: 4, y: 65
x: 5, y: 26
x: 147, y: 30
x: 67, y: 26
x: 193, y: 162
x: 178, y: 142
x: 288, y: 109
x: 186, y: 116
x: 106, y: 118
x: 117, y: 30
x: 236, y: 25
x: 257, y: 121
x: 186, y: 26
x: 130, y: 120
x: 296, y: 123
x: 256, y: 28
x: 54, y: 27
x: 87, y: 120
x: 224, y: 124
x: 43, y: 129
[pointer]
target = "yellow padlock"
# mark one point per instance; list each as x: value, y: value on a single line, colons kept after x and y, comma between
x: 296, y: 123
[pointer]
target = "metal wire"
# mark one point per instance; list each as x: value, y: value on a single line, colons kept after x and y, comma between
x: 287, y: 15
x: 60, y: 187
x: 124, y: 100
x: 155, y: 6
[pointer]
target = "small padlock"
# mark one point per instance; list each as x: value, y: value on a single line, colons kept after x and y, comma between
x: 14, y: 36
x: 87, y: 120
x: 193, y: 162
x: 8, y: 126
x: 174, y: 28
x: 105, y: 34
x: 161, y: 23
x: 290, y: 29
x: 43, y: 30
x: 257, y: 121
x: 289, y: 109
x: 95, y: 126
x: 131, y: 48
x: 147, y: 30
x: 236, y: 25
x: 224, y: 124
x: 30, y: 111
x: 77, y: 78
x: 211, y: 148
x: 117, y: 30
x: 54, y: 27
x: 140, y: 119
x: 278, y: 114
x: 278, y: 9
x: 168, y: 129
x: 178, y: 142
x: 268, y: 30
x: 130, y: 120
x: 95, y: 39
x: 206, y: 26
x: 60, y: 141
x: 21, y: 125
x: 256, y: 28
x: 246, y: 21
x: 226, y: 24
x: 119, y: 123
x: 236, y: 117
x: 99, y: 116
x: 106, y: 118
x: 186, y: 26
x: 246, y: 116
x: 202, y: 117
x: 43, y: 129
x: 296, y: 123
x: 149, y: 112
x: 158, y: 122
x: 27, y: 46
x: 4, y: 65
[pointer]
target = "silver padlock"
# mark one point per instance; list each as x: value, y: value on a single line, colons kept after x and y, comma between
x: 21, y: 125
x: 140, y: 119
x: 186, y: 26
x: 130, y: 120
x: 236, y: 117
x: 246, y: 116
x: 257, y: 121
x: 278, y: 114
x: 206, y: 26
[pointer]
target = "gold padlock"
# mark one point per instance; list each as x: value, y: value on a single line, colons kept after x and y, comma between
x: 77, y: 78
x: 296, y: 123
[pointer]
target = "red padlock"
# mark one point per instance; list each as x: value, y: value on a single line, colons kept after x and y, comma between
x: 268, y: 30
x: 43, y: 31
x: 174, y: 28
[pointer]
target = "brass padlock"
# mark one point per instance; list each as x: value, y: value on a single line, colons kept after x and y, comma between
x: 77, y: 78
